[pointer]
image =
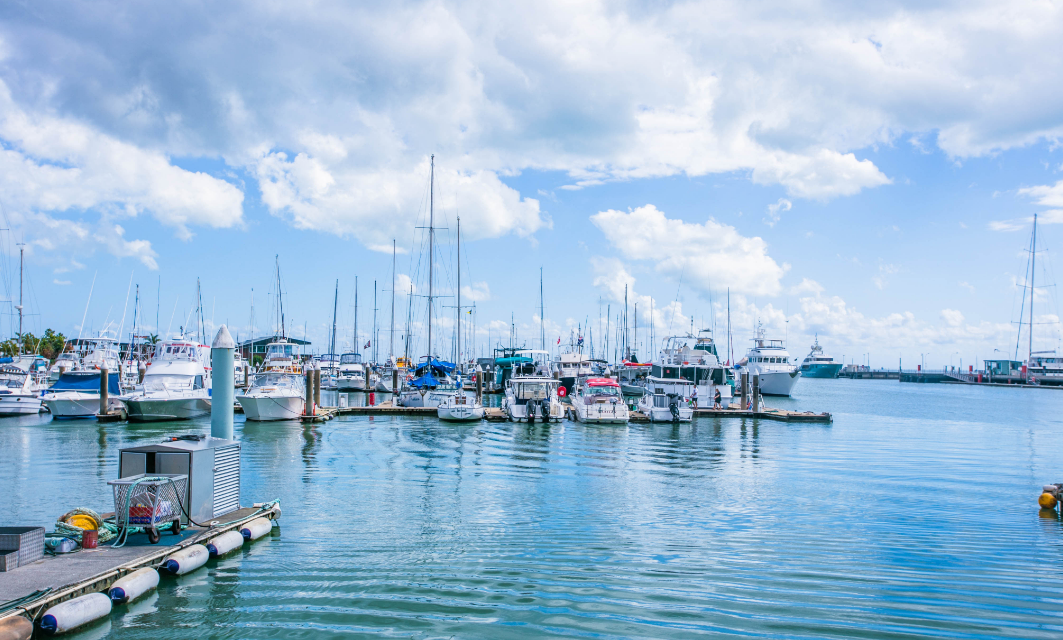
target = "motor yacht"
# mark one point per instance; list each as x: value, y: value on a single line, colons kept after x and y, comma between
x: 460, y: 406
x: 19, y: 392
x: 770, y: 360
x: 350, y: 375
x: 68, y: 361
x: 818, y: 364
x: 695, y: 360
x: 77, y: 394
x: 274, y: 395
x: 176, y: 385
x: 599, y: 400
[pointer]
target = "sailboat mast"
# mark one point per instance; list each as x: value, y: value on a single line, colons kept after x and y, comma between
x: 542, y: 311
x: 1033, y: 261
x: 335, y: 303
x: 199, y: 298
x: 21, y: 254
x: 431, y: 253
x: 373, y: 340
x: 391, y: 340
x: 280, y: 298
x: 409, y: 314
x: 357, y: 349
x: 457, y: 344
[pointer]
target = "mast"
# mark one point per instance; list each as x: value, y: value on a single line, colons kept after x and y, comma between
x: 431, y: 252
x: 357, y: 349
x: 636, y: 336
x: 1033, y: 261
x: 730, y: 354
x: 199, y: 298
x: 391, y: 340
x: 21, y: 254
x: 457, y: 344
x: 335, y: 302
x: 373, y: 342
x: 627, y: 349
x: 542, y: 311
x: 409, y: 314
x: 280, y: 298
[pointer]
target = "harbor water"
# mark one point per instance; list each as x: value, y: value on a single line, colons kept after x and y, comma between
x: 913, y: 514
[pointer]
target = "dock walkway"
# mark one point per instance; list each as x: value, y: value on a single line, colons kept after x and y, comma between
x: 71, y: 575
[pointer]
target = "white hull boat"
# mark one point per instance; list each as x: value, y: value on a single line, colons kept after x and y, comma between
x: 599, y: 400
x: 661, y: 407
x: 19, y: 393
x: 460, y: 407
x: 274, y: 396
x: 178, y: 406
x: 769, y: 360
x: 176, y: 385
x: 532, y: 399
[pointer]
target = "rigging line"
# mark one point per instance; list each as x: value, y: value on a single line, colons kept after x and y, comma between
x: 676, y: 303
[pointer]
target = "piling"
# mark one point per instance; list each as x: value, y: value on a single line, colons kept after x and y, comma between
x: 745, y: 387
x: 480, y: 387
x: 367, y: 376
x: 104, y: 379
x: 756, y: 393
x: 141, y: 370
x: 394, y: 380
x: 308, y: 409
x: 317, y: 384
x: 245, y: 375
x: 223, y: 381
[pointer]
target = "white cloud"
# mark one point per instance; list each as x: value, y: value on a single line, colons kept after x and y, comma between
x: 952, y: 317
x: 708, y: 256
x: 61, y: 282
x: 774, y: 211
x: 477, y: 292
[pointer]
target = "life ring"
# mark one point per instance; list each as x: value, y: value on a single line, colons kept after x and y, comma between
x: 561, y: 392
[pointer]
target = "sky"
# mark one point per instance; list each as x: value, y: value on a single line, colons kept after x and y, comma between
x: 864, y: 174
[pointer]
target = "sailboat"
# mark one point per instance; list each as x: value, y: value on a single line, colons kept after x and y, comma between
x: 432, y: 382
x: 461, y: 406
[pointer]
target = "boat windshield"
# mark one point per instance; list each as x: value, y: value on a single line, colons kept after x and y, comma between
x: 351, y: 358
x: 532, y: 390
x: 603, y: 391
x: 171, y: 351
x: 280, y: 350
x: 276, y: 380
x: 169, y: 382
x: 9, y: 381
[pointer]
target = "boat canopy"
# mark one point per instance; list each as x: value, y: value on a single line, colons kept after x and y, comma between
x: 602, y: 382
x: 437, y: 365
x: 425, y: 381
x: 88, y: 381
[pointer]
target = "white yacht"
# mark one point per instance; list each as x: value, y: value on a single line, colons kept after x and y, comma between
x: 77, y: 394
x: 241, y: 369
x: 770, y: 360
x: 102, y: 354
x: 274, y: 395
x: 695, y: 360
x: 330, y: 370
x: 281, y: 357
x: 461, y: 406
x: 19, y: 393
x: 351, y: 373
x: 599, y: 400
x: 570, y: 367
x: 67, y: 362
x: 531, y: 398
x: 176, y: 385
x: 670, y: 403
x: 818, y: 364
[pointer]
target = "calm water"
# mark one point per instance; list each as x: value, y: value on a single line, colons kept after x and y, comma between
x: 912, y: 515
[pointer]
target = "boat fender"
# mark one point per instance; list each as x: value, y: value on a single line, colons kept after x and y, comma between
x: 276, y: 511
x: 256, y: 528
x: 16, y: 628
x: 134, y: 585
x: 73, y: 613
x: 1047, y: 501
x: 225, y: 543
x: 185, y: 560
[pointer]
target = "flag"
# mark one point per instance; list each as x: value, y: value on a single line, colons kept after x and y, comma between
x: 580, y: 341
x: 367, y: 344
x: 558, y: 339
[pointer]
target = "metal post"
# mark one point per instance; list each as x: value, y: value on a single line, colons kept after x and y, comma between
x: 104, y: 379
x: 141, y: 370
x: 480, y: 386
x: 745, y: 393
x: 394, y: 380
x: 223, y: 381
x: 756, y: 393
x: 245, y: 375
x: 367, y: 376
x: 317, y: 384
x: 308, y: 409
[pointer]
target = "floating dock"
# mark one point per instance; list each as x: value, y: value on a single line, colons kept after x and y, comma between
x: 62, y: 577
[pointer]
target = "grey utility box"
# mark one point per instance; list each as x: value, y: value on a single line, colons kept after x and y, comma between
x: 211, y: 464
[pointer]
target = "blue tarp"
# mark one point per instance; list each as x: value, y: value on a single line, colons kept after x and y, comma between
x: 437, y: 365
x: 7, y: 360
x: 427, y: 380
x: 85, y: 381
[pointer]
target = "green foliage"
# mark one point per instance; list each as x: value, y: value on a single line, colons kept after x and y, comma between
x: 50, y: 345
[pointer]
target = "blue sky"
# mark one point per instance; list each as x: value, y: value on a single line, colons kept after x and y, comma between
x: 864, y: 174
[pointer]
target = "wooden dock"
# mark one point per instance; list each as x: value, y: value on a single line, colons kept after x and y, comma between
x: 386, y: 408
x: 67, y: 576
x: 782, y: 415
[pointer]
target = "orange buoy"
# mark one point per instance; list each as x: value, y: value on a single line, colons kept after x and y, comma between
x: 1047, y: 501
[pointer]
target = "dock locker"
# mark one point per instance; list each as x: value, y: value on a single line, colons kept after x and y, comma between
x: 211, y: 464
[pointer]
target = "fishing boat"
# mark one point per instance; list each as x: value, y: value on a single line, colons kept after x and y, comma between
x: 818, y: 364
x: 533, y: 397
x: 632, y: 377
x: 599, y: 400
x: 460, y: 406
x: 669, y: 403
x: 19, y: 392
x: 102, y: 353
x: 274, y: 395
x: 571, y: 366
x: 68, y: 361
x: 330, y: 370
x: 176, y: 385
x: 77, y: 394
x: 350, y: 376
x: 770, y: 360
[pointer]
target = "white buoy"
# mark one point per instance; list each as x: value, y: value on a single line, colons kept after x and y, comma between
x: 133, y: 585
x: 225, y: 543
x: 185, y: 560
x: 73, y: 613
x: 256, y: 528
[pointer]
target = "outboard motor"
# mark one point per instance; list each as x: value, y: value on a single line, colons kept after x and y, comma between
x: 673, y: 407
x: 531, y: 411
x: 544, y: 411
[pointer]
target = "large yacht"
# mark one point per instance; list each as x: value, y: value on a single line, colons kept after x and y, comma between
x: 176, y: 385
x: 692, y: 359
x: 351, y: 373
x: 818, y: 364
x: 770, y: 360
x: 571, y: 367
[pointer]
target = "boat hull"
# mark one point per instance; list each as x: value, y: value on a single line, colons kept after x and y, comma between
x: 821, y: 370
x: 778, y: 384
x: 460, y: 412
x: 19, y: 404
x: 430, y: 400
x: 659, y: 414
x: 601, y: 413
x: 350, y: 383
x: 76, y: 404
x: 156, y: 409
x: 268, y: 408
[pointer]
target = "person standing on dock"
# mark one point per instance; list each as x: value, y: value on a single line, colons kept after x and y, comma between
x: 716, y: 400
x: 694, y: 397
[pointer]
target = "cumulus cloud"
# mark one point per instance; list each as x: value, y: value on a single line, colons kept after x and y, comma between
x: 710, y: 255
x: 775, y: 211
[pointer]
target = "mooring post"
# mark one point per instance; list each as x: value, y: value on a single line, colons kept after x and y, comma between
x: 394, y: 380
x: 317, y: 384
x: 245, y: 375
x: 104, y: 379
x: 141, y: 370
x: 480, y: 387
x: 367, y: 376
x: 745, y: 391
x: 308, y: 406
x: 222, y: 383
x: 756, y: 393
